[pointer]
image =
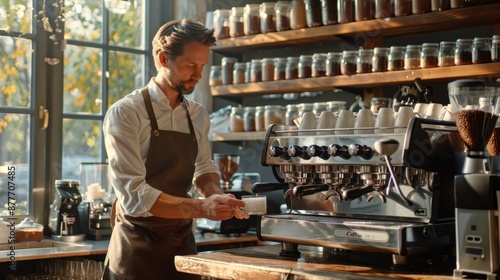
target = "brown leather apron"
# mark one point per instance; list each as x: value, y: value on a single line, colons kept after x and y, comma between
x: 145, y: 247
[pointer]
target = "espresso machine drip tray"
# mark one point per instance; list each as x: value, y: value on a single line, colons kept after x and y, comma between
x: 400, y: 238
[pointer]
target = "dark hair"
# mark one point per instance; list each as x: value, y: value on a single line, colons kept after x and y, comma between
x: 172, y: 36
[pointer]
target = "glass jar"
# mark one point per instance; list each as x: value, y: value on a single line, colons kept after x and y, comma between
x: 495, y: 48
x: 227, y: 70
x: 380, y: 59
x: 267, y: 22
x: 259, y: 118
x: 248, y: 72
x: 292, y: 112
x: 440, y: 5
x: 384, y: 8
x: 313, y: 13
x: 221, y: 23
x: 305, y: 66
x: 305, y: 107
x: 251, y: 19
x: 455, y: 4
x: 318, y: 65
x: 402, y: 7
x: 298, y: 15
x: 280, y: 68
x: 396, y: 58
x: 215, y: 76
x: 412, y: 57
x: 420, y: 6
x: 336, y: 106
x: 345, y: 11
x: 319, y: 107
x: 364, y: 61
x: 236, y: 28
x: 282, y: 15
x: 364, y: 10
x: 328, y: 12
x: 249, y: 118
x: 446, y: 54
x: 333, y: 62
x: 256, y: 71
x: 429, y: 55
x: 236, y: 119
x: 349, y: 62
x: 239, y: 73
x: 463, y: 52
x: 267, y: 69
x: 292, y: 68
x: 481, y: 50
x: 273, y: 114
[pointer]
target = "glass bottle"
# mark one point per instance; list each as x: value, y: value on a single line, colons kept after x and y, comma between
x: 248, y: 72
x: 292, y: 68
x: 463, y: 52
x: 402, y: 7
x: 429, y: 55
x: 273, y: 114
x: 318, y: 65
x: 495, y: 48
x: 384, y: 8
x: 256, y: 71
x: 380, y: 59
x: 313, y: 13
x: 349, y: 62
x: 345, y: 11
x: 282, y: 15
x: 236, y: 22
x: 259, y: 118
x: 227, y: 70
x: 364, y: 10
x: 305, y: 66
x: 333, y: 62
x: 239, y: 73
x: 236, y: 119
x: 221, y: 23
x: 412, y: 57
x: 328, y: 12
x: 215, y: 76
x: 292, y: 112
x: 481, y: 50
x: 446, y: 54
x: 267, y: 21
x: 249, y: 118
x: 298, y: 15
x: 267, y: 69
x: 421, y: 6
x: 364, y: 61
x: 280, y: 68
x: 251, y: 19
x: 396, y: 58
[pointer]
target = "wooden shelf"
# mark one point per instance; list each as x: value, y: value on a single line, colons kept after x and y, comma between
x: 237, y: 136
x: 487, y: 71
x: 429, y: 22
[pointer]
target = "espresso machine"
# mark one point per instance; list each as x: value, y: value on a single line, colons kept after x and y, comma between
x: 476, y: 104
x: 64, y: 220
x: 355, y: 191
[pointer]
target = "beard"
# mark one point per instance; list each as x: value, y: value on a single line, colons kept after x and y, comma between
x: 181, y: 88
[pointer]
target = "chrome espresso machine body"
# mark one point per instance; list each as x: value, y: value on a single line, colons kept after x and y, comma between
x: 389, y: 192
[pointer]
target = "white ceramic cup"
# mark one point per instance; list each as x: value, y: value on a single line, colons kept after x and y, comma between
x: 447, y: 114
x: 255, y: 204
x: 345, y: 120
x: 434, y: 111
x: 385, y: 118
x: 365, y: 118
x: 403, y: 117
x: 308, y: 121
x: 326, y: 120
x: 420, y: 109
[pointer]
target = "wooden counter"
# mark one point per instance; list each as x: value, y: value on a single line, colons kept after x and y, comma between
x: 263, y: 262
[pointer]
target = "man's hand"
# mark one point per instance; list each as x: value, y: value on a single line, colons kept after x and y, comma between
x: 219, y: 207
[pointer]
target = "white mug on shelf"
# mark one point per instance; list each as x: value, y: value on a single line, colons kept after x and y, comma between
x: 434, y: 111
x: 385, y: 119
x: 365, y: 119
x: 420, y: 109
x: 326, y: 120
x: 308, y: 121
x: 403, y: 117
x: 345, y: 120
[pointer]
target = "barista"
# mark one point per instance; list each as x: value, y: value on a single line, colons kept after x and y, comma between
x: 157, y: 142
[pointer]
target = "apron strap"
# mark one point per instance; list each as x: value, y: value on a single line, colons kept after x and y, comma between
x: 149, y: 109
x: 190, y: 123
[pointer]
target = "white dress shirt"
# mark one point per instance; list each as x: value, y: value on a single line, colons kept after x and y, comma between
x: 127, y: 132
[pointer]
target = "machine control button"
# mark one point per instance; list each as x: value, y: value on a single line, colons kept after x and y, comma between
x: 318, y: 151
x: 336, y: 150
x: 298, y: 151
x: 277, y: 151
x: 361, y: 151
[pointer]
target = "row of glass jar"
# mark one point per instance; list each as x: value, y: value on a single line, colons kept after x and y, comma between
x: 284, y: 15
x: 380, y: 59
x: 244, y: 119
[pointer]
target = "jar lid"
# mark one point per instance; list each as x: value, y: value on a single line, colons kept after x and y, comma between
x: 280, y: 59
x: 464, y: 41
x: 269, y: 107
x: 413, y: 47
x: 292, y: 106
x: 345, y: 53
x: 380, y: 49
x: 267, y: 60
x: 216, y: 67
x: 237, y: 10
x: 259, y: 108
x: 319, y: 56
x: 306, y: 56
x: 447, y: 43
x: 248, y: 109
x: 365, y: 51
x: 496, y: 38
x: 256, y: 61
x: 334, y: 54
x: 28, y: 223
x: 229, y: 59
x: 397, y: 48
x: 482, y: 40
x: 292, y: 58
x: 430, y: 45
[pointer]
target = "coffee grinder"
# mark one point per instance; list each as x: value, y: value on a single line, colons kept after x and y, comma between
x: 476, y: 104
x: 64, y: 220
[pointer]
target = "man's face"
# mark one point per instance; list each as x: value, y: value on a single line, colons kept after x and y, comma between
x: 184, y: 71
